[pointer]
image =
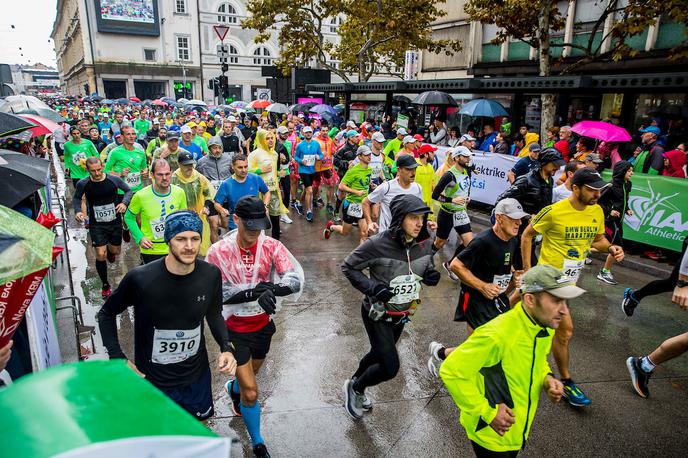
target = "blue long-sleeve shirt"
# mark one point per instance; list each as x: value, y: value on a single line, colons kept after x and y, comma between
x: 309, y: 150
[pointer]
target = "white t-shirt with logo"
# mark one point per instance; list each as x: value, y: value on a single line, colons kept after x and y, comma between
x: 384, y: 194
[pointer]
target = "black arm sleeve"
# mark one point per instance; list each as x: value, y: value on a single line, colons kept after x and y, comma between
x: 79, y: 194
x: 355, y: 263
x: 128, y: 193
x: 447, y: 178
x: 107, y: 316
x: 514, y: 191
x: 240, y: 297
x: 215, y: 321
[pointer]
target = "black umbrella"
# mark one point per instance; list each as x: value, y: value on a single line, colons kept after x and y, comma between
x: 401, y: 98
x: 435, y: 99
x: 20, y: 176
x: 96, y: 98
x: 303, y: 107
x: 11, y: 124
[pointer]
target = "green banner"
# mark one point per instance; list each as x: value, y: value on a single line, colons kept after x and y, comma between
x: 660, y: 211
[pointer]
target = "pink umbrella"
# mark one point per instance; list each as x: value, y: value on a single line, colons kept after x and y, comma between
x: 158, y: 102
x: 600, y: 130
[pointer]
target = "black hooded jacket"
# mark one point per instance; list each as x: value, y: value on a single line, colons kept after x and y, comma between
x: 531, y: 191
x: 615, y: 197
x: 387, y: 254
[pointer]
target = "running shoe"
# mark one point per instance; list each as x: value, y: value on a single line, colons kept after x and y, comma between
x: 574, y: 395
x: 435, y: 361
x: 236, y: 398
x: 607, y: 277
x: 337, y: 219
x: 261, y: 451
x: 366, y: 404
x: 330, y: 209
x: 285, y: 219
x: 111, y: 257
x: 299, y: 208
x: 105, y: 291
x: 352, y: 401
x: 639, y: 378
x: 327, y: 232
x: 87, y: 224
x: 629, y: 303
x: 320, y: 202
x: 451, y: 274
x: 309, y: 217
x: 126, y: 235
x: 654, y: 255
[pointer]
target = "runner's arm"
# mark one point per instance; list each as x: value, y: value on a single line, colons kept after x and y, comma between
x: 117, y: 303
x: 443, y: 183
x: 78, y: 195
x: 527, y: 246
x: 216, y: 323
x: 134, y: 228
x: 354, y: 264
x: 128, y: 193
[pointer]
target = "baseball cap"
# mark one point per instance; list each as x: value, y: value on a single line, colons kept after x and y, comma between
x: 461, y: 151
x: 544, y: 277
x: 364, y: 150
x: 186, y: 129
x: 307, y: 129
x: 548, y: 155
x: 73, y: 128
x: 534, y: 147
x: 408, y: 139
x: 172, y: 135
x: 594, y: 157
x: 156, y: 121
x: 106, y: 115
x: 511, y: 208
x: 590, y: 178
x: 185, y: 158
x: 425, y: 149
x: 301, y: 116
x: 654, y: 129
x: 406, y: 161
x: 350, y: 134
x: 214, y: 141
x: 282, y: 130
x: 202, y: 123
x: 402, y: 131
x: 191, y: 124
x: 251, y: 210
x: 231, y: 119
x: 418, y: 137
x: 378, y: 137
x: 351, y: 124
x: 466, y: 137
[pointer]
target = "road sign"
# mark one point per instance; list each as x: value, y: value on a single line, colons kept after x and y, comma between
x: 221, y: 31
x: 223, y: 52
x: 263, y: 94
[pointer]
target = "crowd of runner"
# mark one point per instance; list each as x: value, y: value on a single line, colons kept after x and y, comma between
x: 188, y: 186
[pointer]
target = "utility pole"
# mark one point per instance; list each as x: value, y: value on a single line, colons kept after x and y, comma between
x: 223, y: 55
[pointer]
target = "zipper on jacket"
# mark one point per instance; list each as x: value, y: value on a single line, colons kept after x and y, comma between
x: 530, y: 389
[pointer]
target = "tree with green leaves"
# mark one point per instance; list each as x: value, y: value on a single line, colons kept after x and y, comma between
x: 536, y: 22
x: 373, y: 34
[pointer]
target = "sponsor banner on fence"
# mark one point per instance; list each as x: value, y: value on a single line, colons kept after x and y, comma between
x: 41, y: 325
x: 489, y: 179
x: 660, y: 213
x: 15, y: 298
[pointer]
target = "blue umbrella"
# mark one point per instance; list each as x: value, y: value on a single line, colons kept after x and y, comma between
x: 323, y: 109
x: 484, y: 107
x: 106, y: 102
x: 123, y: 101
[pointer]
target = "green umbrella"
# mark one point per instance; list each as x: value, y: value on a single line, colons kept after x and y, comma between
x: 25, y: 245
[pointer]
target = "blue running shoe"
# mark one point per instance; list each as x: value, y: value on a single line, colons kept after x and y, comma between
x: 309, y: 217
x: 629, y: 303
x: 236, y: 399
x: 574, y: 395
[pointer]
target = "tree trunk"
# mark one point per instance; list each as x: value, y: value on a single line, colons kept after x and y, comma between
x: 547, y: 108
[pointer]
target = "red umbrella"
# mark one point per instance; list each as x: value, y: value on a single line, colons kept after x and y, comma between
x: 260, y: 104
x: 45, y: 126
x: 135, y: 99
x: 159, y: 103
x: 600, y: 130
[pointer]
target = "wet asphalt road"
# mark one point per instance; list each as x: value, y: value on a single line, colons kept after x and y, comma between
x: 320, y: 340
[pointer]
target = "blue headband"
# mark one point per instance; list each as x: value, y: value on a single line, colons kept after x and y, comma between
x: 182, y: 221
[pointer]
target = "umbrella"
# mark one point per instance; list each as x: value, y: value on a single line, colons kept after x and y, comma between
x: 159, y: 103
x: 11, y: 124
x: 600, y: 130
x: 339, y: 108
x: 484, y: 107
x: 20, y: 176
x: 258, y: 104
x: 435, y: 99
x: 123, y: 101
x: 25, y: 245
x: 182, y: 100
x: 238, y: 104
x: 15, y: 103
x: 401, y: 98
x: 44, y: 125
x: 15, y: 142
x: 135, y: 99
x: 106, y: 102
x: 278, y: 108
x: 302, y: 107
x: 96, y: 98
x: 46, y: 113
x: 323, y: 109
x: 197, y: 102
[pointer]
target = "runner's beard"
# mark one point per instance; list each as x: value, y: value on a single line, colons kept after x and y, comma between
x: 186, y: 253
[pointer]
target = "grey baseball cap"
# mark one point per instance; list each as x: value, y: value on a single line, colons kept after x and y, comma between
x: 364, y: 151
x: 511, y: 208
x: 282, y: 130
x: 379, y: 137
x: 545, y: 278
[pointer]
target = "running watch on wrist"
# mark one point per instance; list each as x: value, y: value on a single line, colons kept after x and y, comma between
x: 681, y: 283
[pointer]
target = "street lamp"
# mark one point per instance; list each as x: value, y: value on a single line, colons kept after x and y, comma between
x: 181, y: 64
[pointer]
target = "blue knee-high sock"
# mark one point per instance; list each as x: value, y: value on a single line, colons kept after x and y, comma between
x: 235, y: 387
x: 251, y: 416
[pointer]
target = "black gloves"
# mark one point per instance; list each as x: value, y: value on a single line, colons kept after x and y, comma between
x: 267, y: 301
x: 431, y: 277
x: 382, y: 293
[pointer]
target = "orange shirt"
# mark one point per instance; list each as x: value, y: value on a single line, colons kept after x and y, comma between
x: 327, y: 146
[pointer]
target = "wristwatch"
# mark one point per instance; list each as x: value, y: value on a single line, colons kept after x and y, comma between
x: 681, y: 283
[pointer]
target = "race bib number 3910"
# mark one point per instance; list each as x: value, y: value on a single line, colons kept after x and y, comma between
x: 175, y: 345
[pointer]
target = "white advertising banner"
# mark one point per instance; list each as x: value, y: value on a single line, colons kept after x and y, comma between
x: 42, y: 333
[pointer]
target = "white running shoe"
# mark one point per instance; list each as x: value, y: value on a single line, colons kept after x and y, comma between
x: 435, y: 361
x: 285, y: 219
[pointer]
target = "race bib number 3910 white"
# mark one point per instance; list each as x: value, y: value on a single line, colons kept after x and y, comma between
x: 175, y: 345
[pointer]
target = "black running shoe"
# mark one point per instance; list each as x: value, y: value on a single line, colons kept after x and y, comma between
x: 261, y: 451
x: 639, y: 377
x: 235, y: 398
x: 629, y: 303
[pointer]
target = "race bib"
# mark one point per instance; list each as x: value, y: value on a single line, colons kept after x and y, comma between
x: 461, y: 218
x: 78, y: 158
x: 104, y: 213
x: 216, y: 184
x: 502, y: 281
x: 572, y: 269
x: 376, y: 168
x: 158, y: 228
x: 172, y: 346
x: 354, y: 210
x: 309, y: 159
x: 133, y: 179
x: 406, y: 289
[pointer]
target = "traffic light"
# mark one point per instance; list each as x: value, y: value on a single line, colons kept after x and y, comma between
x: 229, y: 99
x: 224, y: 67
x: 87, y: 89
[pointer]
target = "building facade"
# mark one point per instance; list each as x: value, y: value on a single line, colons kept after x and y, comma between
x: 148, y: 51
x: 35, y: 79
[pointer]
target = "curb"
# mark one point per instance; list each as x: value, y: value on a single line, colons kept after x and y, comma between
x: 635, y: 263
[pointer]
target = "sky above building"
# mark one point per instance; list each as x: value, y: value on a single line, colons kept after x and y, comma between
x: 25, y: 32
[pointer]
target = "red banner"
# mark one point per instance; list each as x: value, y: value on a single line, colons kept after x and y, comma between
x: 15, y: 297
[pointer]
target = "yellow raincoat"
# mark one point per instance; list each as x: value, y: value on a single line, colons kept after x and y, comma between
x: 529, y: 139
x: 197, y: 189
x: 259, y: 157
